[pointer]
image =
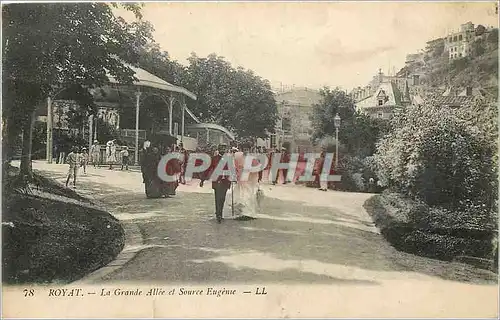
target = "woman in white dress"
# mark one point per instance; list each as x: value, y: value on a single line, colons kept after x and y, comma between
x: 242, y: 198
x: 111, y: 153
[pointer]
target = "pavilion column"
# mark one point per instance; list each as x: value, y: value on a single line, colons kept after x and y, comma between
x: 91, y: 129
x: 95, y: 131
x: 137, y: 105
x: 170, y: 110
x: 208, y: 136
x: 49, y: 131
x: 183, y: 108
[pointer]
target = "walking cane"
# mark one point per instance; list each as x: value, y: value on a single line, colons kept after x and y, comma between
x: 232, y: 199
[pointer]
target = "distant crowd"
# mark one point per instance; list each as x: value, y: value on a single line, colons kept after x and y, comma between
x: 150, y: 155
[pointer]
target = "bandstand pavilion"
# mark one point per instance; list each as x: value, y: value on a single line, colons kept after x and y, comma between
x: 146, y: 86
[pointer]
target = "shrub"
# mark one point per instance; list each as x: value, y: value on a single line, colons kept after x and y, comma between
x: 350, y: 168
x: 358, y: 174
x: 434, y: 156
x: 413, y: 226
x: 443, y: 246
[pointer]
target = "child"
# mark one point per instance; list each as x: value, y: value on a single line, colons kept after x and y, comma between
x: 124, y: 154
x: 73, y: 159
x: 84, y: 160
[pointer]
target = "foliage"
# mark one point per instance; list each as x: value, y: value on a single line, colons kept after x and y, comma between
x: 412, y: 226
x: 358, y: 174
x: 55, y: 241
x: 46, y: 47
x: 480, y: 29
x: 358, y: 132
x: 478, y: 48
x: 435, y: 156
x: 493, y: 37
x: 159, y: 63
x: 39, y: 140
x: 106, y: 132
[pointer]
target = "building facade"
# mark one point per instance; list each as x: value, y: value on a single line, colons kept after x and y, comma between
x: 459, y: 44
x: 294, y: 126
x: 384, y: 94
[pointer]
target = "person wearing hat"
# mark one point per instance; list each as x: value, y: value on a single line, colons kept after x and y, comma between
x: 73, y: 159
x: 111, y: 153
x: 84, y: 157
x: 124, y: 155
x: 95, y: 153
x: 220, y: 185
x: 285, y: 158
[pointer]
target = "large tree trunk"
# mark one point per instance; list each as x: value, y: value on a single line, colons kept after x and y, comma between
x: 25, y: 167
x: 10, y: 137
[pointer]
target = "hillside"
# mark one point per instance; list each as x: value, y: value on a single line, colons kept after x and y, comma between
x: 479, y: 70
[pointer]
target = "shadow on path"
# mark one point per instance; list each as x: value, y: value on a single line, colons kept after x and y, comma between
x: 291, y: 242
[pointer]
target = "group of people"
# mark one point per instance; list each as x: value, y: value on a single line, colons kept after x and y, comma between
x: 149, y: 159
x: 234, y: 197
x: 80, y: 157
x: 110, y: 155
x: 240, y: 198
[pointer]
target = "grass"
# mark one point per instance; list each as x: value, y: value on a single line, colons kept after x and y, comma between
x: 412, y: 227
x: 49, y: 240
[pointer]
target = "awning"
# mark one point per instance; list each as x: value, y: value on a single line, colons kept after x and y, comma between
x: 212, y: 126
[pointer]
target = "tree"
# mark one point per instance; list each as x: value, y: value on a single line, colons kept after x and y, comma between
x: 493, y: 37
x: 358, y: 132
x: 252, y: 110
x: 159, y: 63
x: 47, y: 47
x: 480, y: 30
x: 235, y: 98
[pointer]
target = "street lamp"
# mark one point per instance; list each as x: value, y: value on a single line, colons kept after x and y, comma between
x: 336, y: 122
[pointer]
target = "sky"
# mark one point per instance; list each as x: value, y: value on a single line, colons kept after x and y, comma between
x: 309, y: 44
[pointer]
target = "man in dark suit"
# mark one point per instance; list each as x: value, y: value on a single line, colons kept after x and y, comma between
x: 220, y: 184
x: 285, y: 158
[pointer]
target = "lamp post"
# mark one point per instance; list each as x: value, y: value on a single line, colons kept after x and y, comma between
x: 336, y: 122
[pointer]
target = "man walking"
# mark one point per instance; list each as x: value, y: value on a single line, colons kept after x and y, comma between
x: 285, y: 158
x: 220, y: 184
x: 95, y: 153
x: 185, y: 158
x: 124, y: 156
x: 73, y: 160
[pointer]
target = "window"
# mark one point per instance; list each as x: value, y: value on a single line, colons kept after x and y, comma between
x: 460, y: 55
x: 380, y: 115
x: 273, y: 141
x: 287, y: 125
x: 460, y: 38
x: 380, y: 102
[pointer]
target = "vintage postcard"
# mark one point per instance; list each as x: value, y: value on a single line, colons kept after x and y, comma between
x: 250, y: 159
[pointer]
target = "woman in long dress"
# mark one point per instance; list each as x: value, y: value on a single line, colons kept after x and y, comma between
x: 242, y: 201
x: 111, y: 153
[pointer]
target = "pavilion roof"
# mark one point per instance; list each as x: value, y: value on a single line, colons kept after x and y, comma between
x: 147, y: 79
